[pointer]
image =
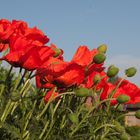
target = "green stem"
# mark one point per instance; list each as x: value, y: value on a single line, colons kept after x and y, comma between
x: 22, y: 79
x: 104, y: 125
x: 43, y: 111
x: 46, y: 106
x: 114, y: 91
x: 41, y: 103
x: 7, y: 110
x: 9, y: 73
x: 123, y: 115
x: 26, y: 135
x: 44, y: 129
x: 22, y: 93
x: 52, y: 121
x: 29, y: 115
x: 11, y: 105
x: 77, y: 127
x: 91, y: 109
x: 7, y: 77
x: 51, y: 126
x: 2, y: 89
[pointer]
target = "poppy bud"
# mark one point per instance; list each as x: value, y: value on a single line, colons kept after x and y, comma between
x: 15, y: 96
x: 123, y: 98
x: 130, y: 71
x: 102, y: 48
x: 83, y: 92
x: 137, y: 114
x: 73, y: 118
x: 112, y: 71
x: 97, y: 79
x: 124, y: 136
x: 99, y: 58
x: 57, y: 52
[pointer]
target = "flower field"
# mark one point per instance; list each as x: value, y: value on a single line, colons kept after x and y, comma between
x: 44, y: 97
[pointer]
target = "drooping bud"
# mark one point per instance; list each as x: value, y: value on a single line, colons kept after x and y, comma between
x: 130, y: 71
x: 83, y: 92
x: 102, y: 48
x: 99, y: 58
x: 73, y: 118
x: 137, y: 114
x: 57, y: 52
x: 97, y: 79
x: 112, y: 71
x: 123, y: 98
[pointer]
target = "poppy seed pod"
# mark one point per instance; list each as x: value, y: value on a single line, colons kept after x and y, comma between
x: 96, y: 78
x: 57, y: 52
x: 82, y: 92
x: 130, y: 71
x: 102, y: 48
x: 99, y: 58
x: 112, y: 71
x: 123, y: 98
x: 73, y: 118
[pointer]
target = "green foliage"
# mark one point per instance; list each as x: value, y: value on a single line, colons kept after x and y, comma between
x: 66, y: 118
x: 134, y: 132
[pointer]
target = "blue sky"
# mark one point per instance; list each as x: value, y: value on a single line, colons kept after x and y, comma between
x: 71, y: 23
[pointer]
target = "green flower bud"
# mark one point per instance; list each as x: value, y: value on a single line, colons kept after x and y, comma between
x: 15, y: 96
x: 102, y: 48
x: 137, y: 114
x: 123, y: 98
x: 57, y: 52
x: 97, y: 79
x: 112, y: 71
x: 83, y: 92
x: 124, y: 136
x: 99, y: 58
x: 130, y: 71
x: 73, y: 118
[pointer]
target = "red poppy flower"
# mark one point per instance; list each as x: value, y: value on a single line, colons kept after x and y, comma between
x: 108, y: 89
x: 62, y: 73
x: 82, y: 56
x: 3, y: 47
x: 50, y: 95
x: 73, y: 75
x: 126, y: 88
x: 19, y: 27
x: 59, y: 52
x: 5, y: 29
x: 30, y: 60
x: 36, y: 35
x: 90, y: 80
x: 131, y: 90
x: 33, y: 34
x: 43, y: 83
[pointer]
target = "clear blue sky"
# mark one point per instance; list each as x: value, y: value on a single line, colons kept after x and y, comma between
x: 71, y: 23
